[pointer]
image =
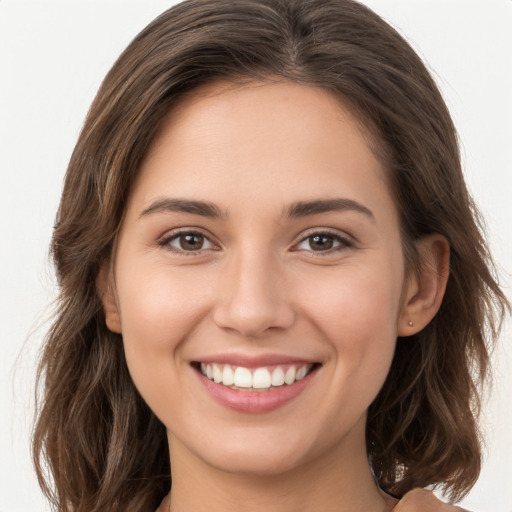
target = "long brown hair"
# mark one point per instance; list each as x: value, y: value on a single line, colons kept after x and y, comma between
x: 102, y: 446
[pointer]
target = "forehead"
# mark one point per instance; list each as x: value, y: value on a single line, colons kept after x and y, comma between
x: 280, y: 140
x: 258, y: 105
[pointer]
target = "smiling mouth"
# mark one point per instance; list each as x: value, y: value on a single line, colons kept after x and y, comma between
x: 255, y: 379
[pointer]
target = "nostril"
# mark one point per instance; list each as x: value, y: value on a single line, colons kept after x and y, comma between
x: 254, y: 320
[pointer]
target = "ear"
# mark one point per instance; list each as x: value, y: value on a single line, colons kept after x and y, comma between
x: 106, y: 290
x: 426, y: 286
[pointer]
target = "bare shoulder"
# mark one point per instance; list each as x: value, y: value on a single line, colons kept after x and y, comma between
x: 421, y: 500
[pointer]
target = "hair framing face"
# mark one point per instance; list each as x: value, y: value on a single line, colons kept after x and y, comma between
x: 338, y: 45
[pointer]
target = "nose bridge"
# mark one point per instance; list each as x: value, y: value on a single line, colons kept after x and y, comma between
x: 253, y: 298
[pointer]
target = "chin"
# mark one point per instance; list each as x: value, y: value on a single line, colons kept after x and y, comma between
x: 242, y: 449
x: 255, y: 463
x: 260, y: 452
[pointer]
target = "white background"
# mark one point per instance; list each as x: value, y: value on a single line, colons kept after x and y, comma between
x: 53, y: 56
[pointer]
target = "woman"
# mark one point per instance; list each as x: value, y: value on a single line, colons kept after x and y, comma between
x: 265, y: 196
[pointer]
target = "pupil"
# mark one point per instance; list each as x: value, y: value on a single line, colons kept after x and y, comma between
x: 191, y: 241
x: 321, y: 242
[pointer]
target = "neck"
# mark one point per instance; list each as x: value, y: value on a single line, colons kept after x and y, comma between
x: 336, y: 481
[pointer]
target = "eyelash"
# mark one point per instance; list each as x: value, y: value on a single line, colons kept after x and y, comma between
x: 344, y: 243
x: 165, y: 242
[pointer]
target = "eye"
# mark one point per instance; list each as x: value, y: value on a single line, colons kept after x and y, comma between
x: 323, y: 242
x: 187, y: 241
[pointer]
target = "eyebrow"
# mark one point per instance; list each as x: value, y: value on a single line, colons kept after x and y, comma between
x: 305, y: 208
x: 165, y: 204
x: 295, y: 210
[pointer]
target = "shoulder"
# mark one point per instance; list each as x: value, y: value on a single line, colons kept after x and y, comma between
x: 421, y: 500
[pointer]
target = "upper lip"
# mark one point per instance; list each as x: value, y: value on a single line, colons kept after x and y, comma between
x: 254, y: 361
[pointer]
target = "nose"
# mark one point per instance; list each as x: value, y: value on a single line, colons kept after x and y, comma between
x: 252, y: 297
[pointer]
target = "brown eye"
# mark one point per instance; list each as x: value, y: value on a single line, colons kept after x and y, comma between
x: 323, y: 242
x: 191, y: 242
x: 187, y: 242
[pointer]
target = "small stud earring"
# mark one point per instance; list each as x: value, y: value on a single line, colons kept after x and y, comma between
x: 410, y: 323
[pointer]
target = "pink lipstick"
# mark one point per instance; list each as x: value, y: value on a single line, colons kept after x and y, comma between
x: 255, y: 384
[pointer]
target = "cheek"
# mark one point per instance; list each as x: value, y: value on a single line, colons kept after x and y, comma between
x: 159, y: 310
x: 356, y: 312
x: 356, y: 301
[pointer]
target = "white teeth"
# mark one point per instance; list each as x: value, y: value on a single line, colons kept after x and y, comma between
x: 217, y: 373
x: 228, y: 376
x: 289, y: 376
x: 277, y: 377
x: 243, y: 378
x: 259, y: 378
x: 301, y: 373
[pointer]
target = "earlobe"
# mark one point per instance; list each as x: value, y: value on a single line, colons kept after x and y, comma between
x: 106, y: 291
x: 426, y: 286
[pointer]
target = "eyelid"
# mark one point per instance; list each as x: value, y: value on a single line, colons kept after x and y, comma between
x: 164, y: 240
x: 346, y: 241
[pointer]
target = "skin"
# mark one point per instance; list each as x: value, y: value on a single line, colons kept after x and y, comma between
x: 257, y: 285
x: 421, y: 500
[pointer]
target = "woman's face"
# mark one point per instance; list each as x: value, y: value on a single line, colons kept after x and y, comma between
x: 260, y: 242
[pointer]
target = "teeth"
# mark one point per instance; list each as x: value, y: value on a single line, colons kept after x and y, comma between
x: 228, y: 376
x: 289, y: 376
x: 217, y: 373
x: 301, y: 373
x: 243, y: 378
x: 260, y: 378
x: 278, y: 377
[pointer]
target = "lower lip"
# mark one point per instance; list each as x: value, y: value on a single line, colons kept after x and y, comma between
x: 255, y: 402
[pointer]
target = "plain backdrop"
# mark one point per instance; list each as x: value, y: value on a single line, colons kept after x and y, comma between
x: 53, y: 56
